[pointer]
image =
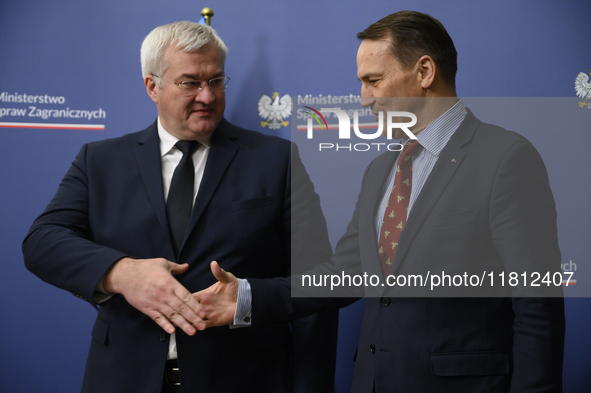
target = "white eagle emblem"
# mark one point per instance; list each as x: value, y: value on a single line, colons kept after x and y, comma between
x: 275, y: 110
x: 583, y: 88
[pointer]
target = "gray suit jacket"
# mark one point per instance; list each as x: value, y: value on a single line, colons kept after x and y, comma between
x: 486, y: 206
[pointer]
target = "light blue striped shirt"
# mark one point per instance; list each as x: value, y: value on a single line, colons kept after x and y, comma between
x: 243, y: 304
x: 433, y: 139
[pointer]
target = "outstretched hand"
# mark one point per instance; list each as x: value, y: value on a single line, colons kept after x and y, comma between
x: 149, y: 286
x: 218, y: 302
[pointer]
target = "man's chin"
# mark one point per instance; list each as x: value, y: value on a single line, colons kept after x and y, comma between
x: 204, y: 129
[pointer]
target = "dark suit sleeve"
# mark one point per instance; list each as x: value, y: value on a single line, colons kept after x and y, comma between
x: 314, y: 336
x: 272, y: 299
x: 523, y: 225
x: 59, y: 247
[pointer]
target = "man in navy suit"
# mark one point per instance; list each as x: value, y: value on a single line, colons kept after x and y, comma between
x: 106, y: 237
x: 480, y: 202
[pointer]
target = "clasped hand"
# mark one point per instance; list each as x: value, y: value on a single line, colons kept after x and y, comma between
x: 149, y: 286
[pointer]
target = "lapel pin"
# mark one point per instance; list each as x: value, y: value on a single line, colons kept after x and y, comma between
x: 453, y: 160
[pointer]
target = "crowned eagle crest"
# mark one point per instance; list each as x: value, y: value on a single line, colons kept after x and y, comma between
x: 275, y: 110
x: 583, y: 88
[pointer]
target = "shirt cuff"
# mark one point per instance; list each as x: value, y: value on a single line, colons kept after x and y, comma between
x: 243, y: 305
x: 100, y: 295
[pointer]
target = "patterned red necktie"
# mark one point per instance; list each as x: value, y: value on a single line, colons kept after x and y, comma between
x: 397, y: 207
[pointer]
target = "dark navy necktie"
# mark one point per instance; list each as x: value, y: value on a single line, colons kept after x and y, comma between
x: 180, y: 195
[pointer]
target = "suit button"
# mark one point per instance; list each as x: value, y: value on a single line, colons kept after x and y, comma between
x: 385, y: 301
x: 162, y: 337
x: 372, y: 348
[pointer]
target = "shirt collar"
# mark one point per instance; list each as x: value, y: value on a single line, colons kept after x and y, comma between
x: 167, y: 140
x: 436, y: 135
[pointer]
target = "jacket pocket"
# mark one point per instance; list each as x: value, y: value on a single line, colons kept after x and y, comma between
x: 100, y: 331
x: 469, y: 364
x: 252, y: 203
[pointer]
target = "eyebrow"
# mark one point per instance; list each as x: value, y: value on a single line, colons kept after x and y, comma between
x: 369, y: 75
x: 192, y: 76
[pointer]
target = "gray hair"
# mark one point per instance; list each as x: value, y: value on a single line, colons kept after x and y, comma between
x: 188, y: 36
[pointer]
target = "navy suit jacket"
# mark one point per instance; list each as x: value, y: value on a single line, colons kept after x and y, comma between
x: 486, y: 206
x: 110, y: 205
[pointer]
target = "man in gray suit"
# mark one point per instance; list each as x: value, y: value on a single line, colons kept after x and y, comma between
x: 480, y: 201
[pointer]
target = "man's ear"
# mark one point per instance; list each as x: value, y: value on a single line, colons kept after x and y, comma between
x: 426, y: 71
x: 151, y: 88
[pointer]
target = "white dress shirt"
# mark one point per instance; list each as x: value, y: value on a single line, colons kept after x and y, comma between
x: 170, y: 157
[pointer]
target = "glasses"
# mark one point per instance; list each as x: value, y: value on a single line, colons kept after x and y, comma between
x: 216, y: 85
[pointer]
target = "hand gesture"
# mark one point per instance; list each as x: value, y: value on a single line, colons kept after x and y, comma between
x: 148, y: 285
x: 218, y: 302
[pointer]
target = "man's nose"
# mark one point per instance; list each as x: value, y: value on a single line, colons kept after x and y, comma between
x: 367, y: 101
x: 205, y: 95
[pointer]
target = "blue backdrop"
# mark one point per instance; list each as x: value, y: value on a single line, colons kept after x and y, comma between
x: 77, y: 63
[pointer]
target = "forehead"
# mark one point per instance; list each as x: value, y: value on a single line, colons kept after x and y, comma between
x: 205, y: 60
x: 374, y: 56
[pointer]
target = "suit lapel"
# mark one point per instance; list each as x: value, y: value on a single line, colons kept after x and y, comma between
x: 147, y: 156
x: 449, y: 161
x: 221, y: 153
